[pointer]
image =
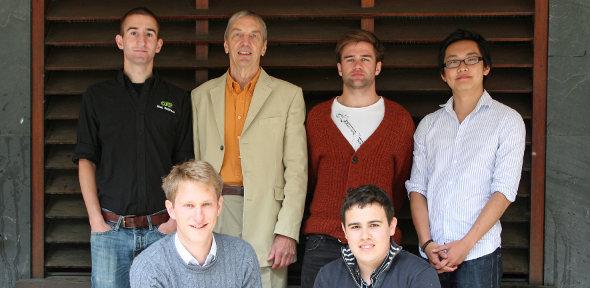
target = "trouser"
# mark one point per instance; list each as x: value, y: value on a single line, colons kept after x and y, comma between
x: 485, y: 271
x: 230, y: 223
x: 319, y: 251
x: 113, y: 252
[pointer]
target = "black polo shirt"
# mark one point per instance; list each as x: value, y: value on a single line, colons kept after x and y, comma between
x: 134, y: 140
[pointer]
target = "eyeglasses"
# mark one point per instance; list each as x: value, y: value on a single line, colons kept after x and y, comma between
x: 468, y: 61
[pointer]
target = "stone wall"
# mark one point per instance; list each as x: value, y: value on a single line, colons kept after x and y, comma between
x: 567, y: 206
x: 15, y: 141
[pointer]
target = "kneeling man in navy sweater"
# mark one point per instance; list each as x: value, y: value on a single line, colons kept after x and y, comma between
x: 195, y: 256
x: 371, y: 259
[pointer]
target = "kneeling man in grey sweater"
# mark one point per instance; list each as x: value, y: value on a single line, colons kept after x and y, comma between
x: 194, y: 256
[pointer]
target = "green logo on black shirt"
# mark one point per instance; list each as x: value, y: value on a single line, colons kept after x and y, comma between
x: 165, y: 105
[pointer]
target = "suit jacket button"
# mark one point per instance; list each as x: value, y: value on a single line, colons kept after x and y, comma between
x: 355, y: 159
x: 221, y: 147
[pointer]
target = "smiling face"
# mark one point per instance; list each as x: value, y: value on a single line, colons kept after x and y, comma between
x: 245, y: 44
x: 139, y: 40
x: 368, y: 233
x: 465, y: 78
x: 358, y: 65
x: 195, y: 209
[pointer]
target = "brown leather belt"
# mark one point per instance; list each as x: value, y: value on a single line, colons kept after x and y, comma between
x: 134, y: 221
x: 232, y: 190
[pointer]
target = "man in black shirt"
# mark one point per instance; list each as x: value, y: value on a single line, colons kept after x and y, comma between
x: 131, y: 130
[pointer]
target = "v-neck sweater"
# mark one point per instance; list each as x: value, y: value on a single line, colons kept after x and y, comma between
x: 383, y: 160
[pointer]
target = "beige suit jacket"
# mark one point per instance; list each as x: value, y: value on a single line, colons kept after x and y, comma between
x: 273, y: 152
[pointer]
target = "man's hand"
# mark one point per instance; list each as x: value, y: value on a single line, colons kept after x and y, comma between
x: 455, y: 252
x: 168, y: 226
x: 99, y: 226
x: 282, y: 251
x: 438, y: 259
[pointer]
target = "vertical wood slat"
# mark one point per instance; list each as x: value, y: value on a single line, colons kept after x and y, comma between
x: 37, y: 151
x: 202, y: 50
x: 539, y: 142
x: 367, y: 3
x: 202, y: 4
x: 368, y: 24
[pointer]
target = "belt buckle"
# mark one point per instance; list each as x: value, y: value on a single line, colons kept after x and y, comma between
x: 124, y: 222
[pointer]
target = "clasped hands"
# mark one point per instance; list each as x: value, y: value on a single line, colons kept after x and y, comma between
x: 447, y: 257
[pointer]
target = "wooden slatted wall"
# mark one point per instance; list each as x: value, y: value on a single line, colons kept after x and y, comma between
x: 79, y: 50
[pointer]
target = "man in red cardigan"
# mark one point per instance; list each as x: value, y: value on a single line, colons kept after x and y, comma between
x: 355, y: 139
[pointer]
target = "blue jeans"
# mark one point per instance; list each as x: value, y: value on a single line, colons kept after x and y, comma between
x: 485, y: 271
x: 319, y: 251
x: 113, y: 252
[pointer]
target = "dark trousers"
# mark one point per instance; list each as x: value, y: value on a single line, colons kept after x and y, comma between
x: 485, y: 271
x: 319, y: 251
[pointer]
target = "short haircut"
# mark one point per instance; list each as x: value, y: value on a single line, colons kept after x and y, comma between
x: 366, y: 195
x: 193, y: 170
x: 138, y: 11
x: 245, y: 13
x: 359, y: 35
x: 459, y: 35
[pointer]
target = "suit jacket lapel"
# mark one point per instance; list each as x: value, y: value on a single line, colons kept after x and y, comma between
x: 217, y: 96
x: 261, y: 93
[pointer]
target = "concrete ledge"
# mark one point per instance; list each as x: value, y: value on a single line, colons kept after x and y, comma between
x: 84, y: 281
x: 55, y: 282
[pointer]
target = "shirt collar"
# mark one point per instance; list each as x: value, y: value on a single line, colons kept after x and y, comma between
x: 122, y: 78
x: 189, y: 259
x: 484, y: 100
x: 235, y: 86
x: 353, y: 269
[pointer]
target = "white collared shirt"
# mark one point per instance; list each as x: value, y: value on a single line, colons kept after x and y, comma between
x: 188, y: 258
x: 458, y: 166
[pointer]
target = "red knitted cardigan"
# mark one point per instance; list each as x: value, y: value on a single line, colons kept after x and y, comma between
x: 383, y: 160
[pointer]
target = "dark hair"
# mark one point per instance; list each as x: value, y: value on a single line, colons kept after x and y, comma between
x: 458, y: 35
x: 138, y: 11
x: 356, y: 36
x: 365, y: 195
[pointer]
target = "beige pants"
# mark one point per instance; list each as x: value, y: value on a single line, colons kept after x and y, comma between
x: 230, y: 223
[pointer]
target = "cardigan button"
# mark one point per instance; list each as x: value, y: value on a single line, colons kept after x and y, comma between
x: 355, y: 159
x: 221, y: 147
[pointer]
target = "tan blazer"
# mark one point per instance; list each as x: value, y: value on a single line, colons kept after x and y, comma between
x: 273, y: 152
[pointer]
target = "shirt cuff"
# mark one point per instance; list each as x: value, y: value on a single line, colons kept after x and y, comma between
x: 508, y: 192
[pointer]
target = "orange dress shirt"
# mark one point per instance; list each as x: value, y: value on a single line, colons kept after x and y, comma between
x: 237, y: 102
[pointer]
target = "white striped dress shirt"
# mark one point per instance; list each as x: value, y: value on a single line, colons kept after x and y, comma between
x: 458, y: 166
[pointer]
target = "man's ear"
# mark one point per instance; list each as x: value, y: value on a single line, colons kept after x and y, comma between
x: 442, y: 75
x: 170, y: 208
x: 339, y: 69
x: 225, y: 47
x: 344, y: 230
x: 486, y: 70
x: 119, y: 41
x: 159, y: 45
x: 263, y: 48
x: 220, y: 204
x: 378, y: 68
x: 392, y: 226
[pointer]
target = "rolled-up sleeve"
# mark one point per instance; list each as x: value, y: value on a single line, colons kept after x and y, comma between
x: 87, y: 144
x: 419, y: 176
x: 509, y: 157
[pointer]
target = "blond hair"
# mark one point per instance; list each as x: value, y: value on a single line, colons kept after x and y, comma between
x: 193, y: 170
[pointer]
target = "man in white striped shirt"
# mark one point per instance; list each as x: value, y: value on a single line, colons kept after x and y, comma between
x: 467, y: 164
